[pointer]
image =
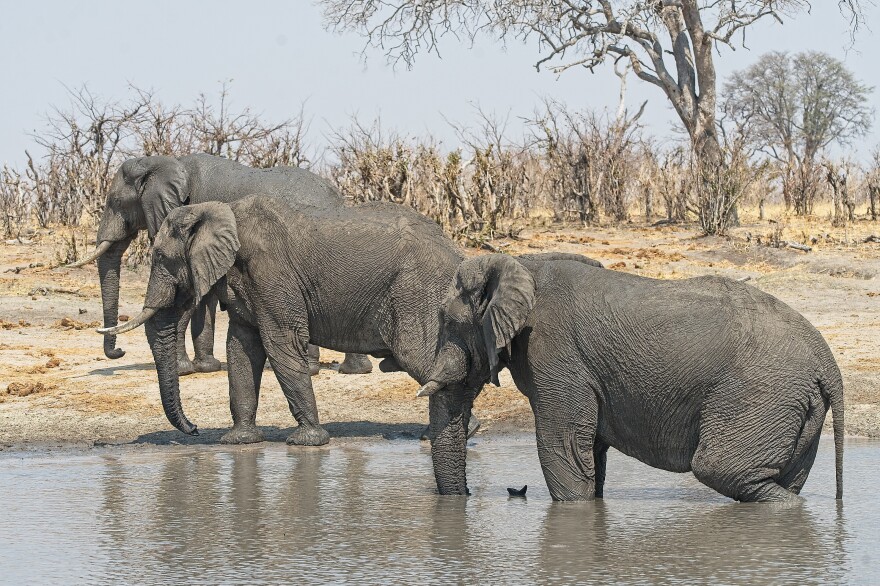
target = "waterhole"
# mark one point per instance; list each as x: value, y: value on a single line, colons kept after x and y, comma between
x: 367, y: 512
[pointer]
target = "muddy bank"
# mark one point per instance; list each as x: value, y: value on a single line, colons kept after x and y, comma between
x: 63, y: 390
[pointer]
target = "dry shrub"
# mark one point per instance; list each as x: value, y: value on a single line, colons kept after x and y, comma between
x: 15, y: 203
x: 86, y: 142
x: 570, y: 165
x: 591, y: 162
x: 471, y: 198
x: 872, y: 186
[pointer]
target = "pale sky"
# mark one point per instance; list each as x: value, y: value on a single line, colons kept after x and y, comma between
x: 279, y: 55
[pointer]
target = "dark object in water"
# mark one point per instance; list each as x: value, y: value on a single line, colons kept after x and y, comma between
x: 518, y: 491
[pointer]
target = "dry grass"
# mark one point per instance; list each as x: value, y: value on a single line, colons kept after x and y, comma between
x: 91, y: 398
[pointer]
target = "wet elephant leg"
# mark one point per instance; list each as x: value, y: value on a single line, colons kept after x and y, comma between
x: 565, y: 426
x: 743, y: 446
x: 202, y: 328
x: 184, y: 364
x: 245, y: 360
x: 287, y: 348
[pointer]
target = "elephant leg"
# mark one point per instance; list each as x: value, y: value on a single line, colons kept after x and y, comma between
x: 245, y: 360
x: 287, y: 348
x: 600, y: 457
x: 202, y: 327
x: 314, y: 360
x: 356, y: 364
x: 184, y: 364
x: 744, y: 444
x: 565, y: 427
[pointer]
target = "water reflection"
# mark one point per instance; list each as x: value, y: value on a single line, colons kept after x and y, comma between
x: 368, y: 512
x: 718, y: 543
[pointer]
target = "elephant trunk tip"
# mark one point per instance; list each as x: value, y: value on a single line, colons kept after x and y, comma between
x: 114, y: 353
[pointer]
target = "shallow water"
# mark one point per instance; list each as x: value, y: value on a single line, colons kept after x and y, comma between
x: 367, y: 512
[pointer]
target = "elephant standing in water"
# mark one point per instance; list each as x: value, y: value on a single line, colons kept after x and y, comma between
x: 367, y: 279
x: 142, y: 194
x: 706, y: 375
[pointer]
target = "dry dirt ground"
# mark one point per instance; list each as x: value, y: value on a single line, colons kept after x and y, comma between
x: 57, y: 388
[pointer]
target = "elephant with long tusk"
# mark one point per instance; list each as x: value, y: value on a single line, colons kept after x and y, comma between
x: 146, y: 189
x: 367, y: 278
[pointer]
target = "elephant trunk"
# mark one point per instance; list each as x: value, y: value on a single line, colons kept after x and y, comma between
x: 109, y: 265
x: 449, y: 413
x: 162, y: 336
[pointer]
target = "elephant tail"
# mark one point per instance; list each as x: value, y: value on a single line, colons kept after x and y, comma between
x: 831, y: 386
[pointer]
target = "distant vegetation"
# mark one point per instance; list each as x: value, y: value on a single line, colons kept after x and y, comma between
x: 569, y: 166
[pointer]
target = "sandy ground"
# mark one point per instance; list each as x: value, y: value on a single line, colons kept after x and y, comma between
x: 78, y: 397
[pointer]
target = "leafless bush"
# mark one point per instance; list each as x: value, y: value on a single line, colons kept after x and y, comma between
x: 15, y: 202
x: 720, y: 189
x: 86, y: 142
x: 471, y: 198
x: 802, y: 185
x: 838, y: 176
x: 591, y: 161
x: 670, y: 174
x: 588, y: 166
x: 872, y: 185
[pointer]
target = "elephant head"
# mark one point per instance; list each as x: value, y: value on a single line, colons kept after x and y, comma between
x: 487, y: 305
x: 193, y: 250
x: 142, y: 193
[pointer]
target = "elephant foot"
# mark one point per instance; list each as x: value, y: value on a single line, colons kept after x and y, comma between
x: 185, y: 366
x: 314, y: 368
x: 206, y: 364
x: 389, y: 365
x: 308, y: 435
x: 473, y: 426
x: 245, y: 434
x: 356, y: 364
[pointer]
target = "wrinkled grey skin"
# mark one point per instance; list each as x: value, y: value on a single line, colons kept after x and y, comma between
x: 367, y: 279
x: 705, y: 375
x: 146, y: 189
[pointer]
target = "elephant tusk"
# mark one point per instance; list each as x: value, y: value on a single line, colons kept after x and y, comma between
x: 101, y: 249
x: 146, y: 314
x: 429, y: 388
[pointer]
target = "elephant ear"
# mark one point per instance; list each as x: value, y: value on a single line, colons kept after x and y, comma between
x: 503, y: 292
x: 162, y: 185
x: 213, y: 245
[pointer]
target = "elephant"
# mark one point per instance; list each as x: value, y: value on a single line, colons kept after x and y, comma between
x: 706, y: 375
x: 367, y: 278
x: 143, y: 192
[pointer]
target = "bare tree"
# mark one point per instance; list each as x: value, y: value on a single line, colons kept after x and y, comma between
x: 670, y: 44
x: 792, y: 108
